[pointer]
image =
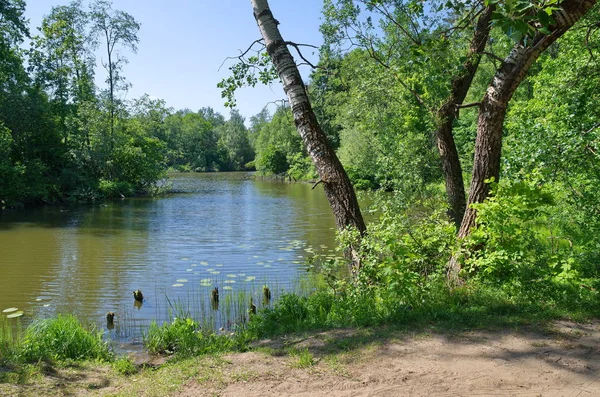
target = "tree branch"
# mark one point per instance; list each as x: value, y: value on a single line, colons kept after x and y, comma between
x: 243, y: 54
x: 493, y: 56
x: 296, y: 46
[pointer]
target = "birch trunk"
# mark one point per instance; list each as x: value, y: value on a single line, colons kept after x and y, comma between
x: 337, y: 186
x: 488, y: 145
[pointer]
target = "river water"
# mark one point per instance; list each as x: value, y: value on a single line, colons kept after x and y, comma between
x: 223, y: 230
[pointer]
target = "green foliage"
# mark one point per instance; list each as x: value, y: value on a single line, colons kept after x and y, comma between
x: 279, y: 147
x: 523, y: 244
x: 62, y: 338
x: 248, y: 72
x: 9, y: 340
x: 506, y: 243
x: 184, y: 337
x: 301, y: 167
x: 111, y: 189
x: 124, y: 366
x: 521, y: 19
x: 273, y: 160
x: 302, y: 358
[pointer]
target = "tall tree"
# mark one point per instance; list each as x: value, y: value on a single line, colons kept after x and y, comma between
x: 337, y: 186
x: 115, y: 29
x: 408, y: 37
x: 63, y: 62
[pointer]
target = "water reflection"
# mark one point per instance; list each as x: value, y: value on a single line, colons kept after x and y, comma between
x: 226, y: 231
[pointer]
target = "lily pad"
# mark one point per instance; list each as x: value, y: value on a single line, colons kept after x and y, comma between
x: 177, y: 285
x: 219, y: 265
x: 182, y: 280
x: 188, y: 270
x: 15, y: 314
x: 250, y: 278
x: 227, y: 287
x: 185, y: 259
x: 204, y: 263
x: 206, y: 280
x: 10, y: 310
x: 215, y: 272
x: 232, y: 275
x: 229, y: 281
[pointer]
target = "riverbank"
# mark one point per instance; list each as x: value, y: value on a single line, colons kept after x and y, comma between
x: 559, y: 359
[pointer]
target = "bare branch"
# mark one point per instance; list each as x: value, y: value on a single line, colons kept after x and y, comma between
x: 468, y: 105
x: 493, y: 56
x: 382, y: 9
x: 242, y: 54
x: 591, y: 129
x: 296, y: 46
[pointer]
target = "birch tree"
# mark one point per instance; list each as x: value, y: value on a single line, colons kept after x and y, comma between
x: 337, y: 186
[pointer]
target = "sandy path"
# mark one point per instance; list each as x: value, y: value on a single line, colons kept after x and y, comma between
x: 563, y: 363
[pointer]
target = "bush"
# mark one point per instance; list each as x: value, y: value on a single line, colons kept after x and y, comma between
x: 62, y: 338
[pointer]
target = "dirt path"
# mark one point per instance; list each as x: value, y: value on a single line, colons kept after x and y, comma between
x: 565, y: 362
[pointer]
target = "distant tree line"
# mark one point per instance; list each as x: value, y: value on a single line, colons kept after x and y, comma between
x: 63, y: 138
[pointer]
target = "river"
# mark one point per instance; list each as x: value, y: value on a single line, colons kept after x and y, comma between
x: 223, y: 230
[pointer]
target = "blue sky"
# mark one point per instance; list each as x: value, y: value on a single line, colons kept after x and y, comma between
x: 184, y: 42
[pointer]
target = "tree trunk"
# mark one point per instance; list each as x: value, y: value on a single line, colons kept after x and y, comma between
x: 455, y: 187
x: 111, y: 82
x: 488, y: 145
x: 337, y: 186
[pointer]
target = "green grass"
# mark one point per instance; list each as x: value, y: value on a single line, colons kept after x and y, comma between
x: 184, y: 337
x: 62, y: 338
x: 10, y: 333
x: 302, y: 358
x: 475, y: 306
x: 124, y: 366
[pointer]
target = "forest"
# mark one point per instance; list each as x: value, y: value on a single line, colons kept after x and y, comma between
x: 473, y: 127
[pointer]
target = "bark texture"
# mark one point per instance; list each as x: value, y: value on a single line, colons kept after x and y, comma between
x: 488, y: 145
x: 337, y: 186
x: 455, y: 187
